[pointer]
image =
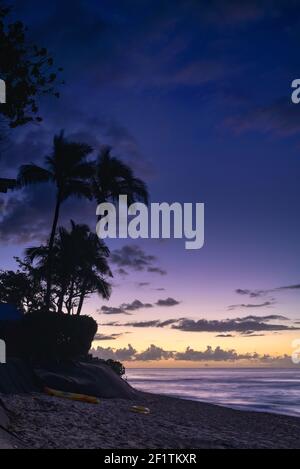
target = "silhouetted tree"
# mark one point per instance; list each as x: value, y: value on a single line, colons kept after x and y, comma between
x: 27, y: 70
x: 80, y: 267
x: 21, y: 290
x: 113, y: 178
x: 70, y: 171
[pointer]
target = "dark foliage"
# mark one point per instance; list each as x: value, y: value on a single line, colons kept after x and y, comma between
x: 21, y: 290
x: 49, y: 337
x: 27, y: 70
x: 116, y: 366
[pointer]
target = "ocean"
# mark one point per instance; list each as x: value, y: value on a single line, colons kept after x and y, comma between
x: 263, y: 390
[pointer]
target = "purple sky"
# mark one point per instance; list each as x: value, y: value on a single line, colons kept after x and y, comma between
x: 196, y: 97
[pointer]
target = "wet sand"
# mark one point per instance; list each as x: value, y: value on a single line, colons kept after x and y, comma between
x: 39, y: 421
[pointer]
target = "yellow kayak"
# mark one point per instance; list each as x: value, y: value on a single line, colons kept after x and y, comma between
x: 139, y: 409
x: 72, y: 396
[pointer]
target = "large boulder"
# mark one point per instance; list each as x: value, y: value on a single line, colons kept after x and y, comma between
x: 91, y: 379
x: 17, y: 377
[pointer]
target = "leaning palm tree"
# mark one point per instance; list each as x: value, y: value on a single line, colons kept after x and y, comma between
x: 70, y: 171
x: 113, y: 178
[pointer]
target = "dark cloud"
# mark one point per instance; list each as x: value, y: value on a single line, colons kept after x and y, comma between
x: 26, y: 215
x: 243, y: 305
x: 122, y: 354
x: 143, y: 284
x: 100, y: 337
x: 136, y: 305
x: 125, y: 308
x: 156, y: 270
x: 122, y: 272
x: 210, y: 354
x: 133, y: 257
x: 269, y: 317
x: 261, y: 293
x: 128, y: 308
x: 289, y: 287
x: 153, y: 323
x: 239, y: 325
x: 112, y: 310
x: 29, y: 145
x: 281, y: 118
x: 144, y: 324
x: 243, y: 326
x: 155, y: 353
x: 220, y: 355
x: 167, y: 302
x: 250, y: 293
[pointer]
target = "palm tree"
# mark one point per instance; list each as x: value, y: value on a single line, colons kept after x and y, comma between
x: 113, y: 178
x: 92, y: 265
x: 80, y: 266
x: 70, y: 171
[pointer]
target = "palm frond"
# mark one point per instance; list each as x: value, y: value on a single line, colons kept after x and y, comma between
x: 33, y: 174
x: 75, y: 187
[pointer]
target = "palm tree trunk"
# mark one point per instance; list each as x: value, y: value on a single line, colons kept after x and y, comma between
x: 50, y: 251
x: 81, y: 301
x: 61, y: 300
x: 70, y: 299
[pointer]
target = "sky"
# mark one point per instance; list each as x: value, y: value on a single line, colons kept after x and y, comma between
x: 196, y: 97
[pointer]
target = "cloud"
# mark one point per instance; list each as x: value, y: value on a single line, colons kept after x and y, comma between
x: 125, y: 308
x: 100, y: 337
x: 112, y: 310
x: 144, y: 324
x: 239, y: 325
x: 250, y: 334
x: 281, y: 118
x: 167, y: 302
x: 250, y: 293
x: 288, y: 287
x: 225, y: 336
x: 217, y: 355
x: 154, y: 353
x: 122, y: 272
x: 210, y: 354
x: 136, y: 305
x: 243, y: 305
x: 242, y: 326
x: 122, y: 354
x: 26, y: 215
x: 133, y: 257
x: 143, y: 284
x: 156, y: 270
x: 261, y: 293
x: 270, y: 317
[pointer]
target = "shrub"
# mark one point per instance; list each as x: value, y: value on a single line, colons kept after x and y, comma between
x: 50, y: 336
x: 116, y: 366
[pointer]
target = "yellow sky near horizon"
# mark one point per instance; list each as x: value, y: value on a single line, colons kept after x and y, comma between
x: 273, y: 344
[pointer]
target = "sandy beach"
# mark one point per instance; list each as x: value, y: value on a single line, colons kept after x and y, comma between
x: 43, y: 422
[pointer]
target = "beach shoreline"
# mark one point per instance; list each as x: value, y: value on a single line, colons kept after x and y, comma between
x: 43, y: 422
